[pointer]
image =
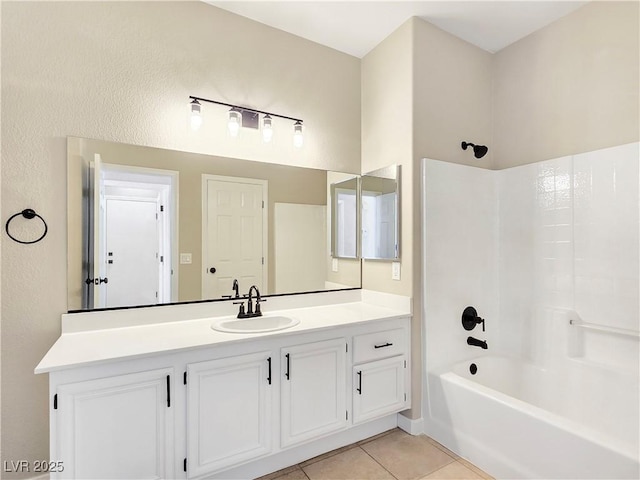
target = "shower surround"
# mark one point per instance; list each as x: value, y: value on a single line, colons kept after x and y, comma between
x: 548, y: 253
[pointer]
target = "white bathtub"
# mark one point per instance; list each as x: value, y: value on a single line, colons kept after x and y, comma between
x: 519, y: 421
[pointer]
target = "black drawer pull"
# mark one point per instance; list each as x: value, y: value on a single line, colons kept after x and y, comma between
x: 359, y: 389
x: 383, y: 345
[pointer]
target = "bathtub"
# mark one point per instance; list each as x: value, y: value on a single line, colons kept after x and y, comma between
x: 515, y: 420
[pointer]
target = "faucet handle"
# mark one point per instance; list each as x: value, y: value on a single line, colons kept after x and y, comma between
x: 241, y: 313
x: 258, y: 312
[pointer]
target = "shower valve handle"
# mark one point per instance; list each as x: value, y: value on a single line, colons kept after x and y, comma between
x: 470, y: 319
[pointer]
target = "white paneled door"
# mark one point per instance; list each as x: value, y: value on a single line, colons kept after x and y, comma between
x: 233, y: 234
x: 132, y: 244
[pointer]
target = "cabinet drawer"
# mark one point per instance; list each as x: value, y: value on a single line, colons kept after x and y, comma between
x: 377, y: 345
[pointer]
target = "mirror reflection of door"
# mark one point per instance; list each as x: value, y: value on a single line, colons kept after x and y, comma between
x: 378, y: 225
x: 346, y: 212
x: 234, y: 233
x: 134, y: 231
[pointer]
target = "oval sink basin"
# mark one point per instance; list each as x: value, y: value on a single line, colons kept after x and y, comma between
x: 254, y: 325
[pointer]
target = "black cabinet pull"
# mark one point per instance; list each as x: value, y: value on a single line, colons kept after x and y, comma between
x: 168, y: 390
x: 269, y: 377
x: 383, y: 345
x: 286, y: 373
x: 359, y: 389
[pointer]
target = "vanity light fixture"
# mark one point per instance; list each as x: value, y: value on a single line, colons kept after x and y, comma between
x: 196, y: 114
x: 267, y: 128
x: 298, y: 139
x: 247, y: 118
x: 235, y: 120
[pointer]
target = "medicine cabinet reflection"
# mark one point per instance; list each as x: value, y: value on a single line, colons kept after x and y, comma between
x: 380, y: 195
x: 344, y: 218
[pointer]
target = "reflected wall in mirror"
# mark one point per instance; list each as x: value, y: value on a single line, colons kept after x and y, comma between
x: 380, y: 213
x: 345, y: 218
x: 153, y: 226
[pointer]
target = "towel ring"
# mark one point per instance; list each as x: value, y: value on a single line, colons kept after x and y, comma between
x: 29, y: 214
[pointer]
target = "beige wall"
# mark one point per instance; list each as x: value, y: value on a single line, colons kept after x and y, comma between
x: 123, y: 71
x: 387, y: 110
x: 569, y: 88
x: 423, y: 92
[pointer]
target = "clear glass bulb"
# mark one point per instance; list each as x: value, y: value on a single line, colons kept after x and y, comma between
x: 298, y: 138
x: 267, y: 129
x: 196, y: 115
x: 235, y: 118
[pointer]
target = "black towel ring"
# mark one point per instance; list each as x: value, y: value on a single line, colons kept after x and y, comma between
x: 27, y: 213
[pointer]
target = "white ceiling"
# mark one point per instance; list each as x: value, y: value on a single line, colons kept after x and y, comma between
x: 355, y: 27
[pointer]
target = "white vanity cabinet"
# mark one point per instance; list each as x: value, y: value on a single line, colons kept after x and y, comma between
x: 229, y: 417
x: 115, y: 427
x: 237, y: 406
x: 380, y: 375
x: 314, y: 394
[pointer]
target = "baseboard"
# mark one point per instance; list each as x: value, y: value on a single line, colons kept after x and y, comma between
x: 413, y: 427
x: 295, y: 455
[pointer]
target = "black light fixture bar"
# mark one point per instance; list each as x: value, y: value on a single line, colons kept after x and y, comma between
x: 245, y: 108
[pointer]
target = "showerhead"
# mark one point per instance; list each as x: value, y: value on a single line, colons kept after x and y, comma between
x: 478, y: 150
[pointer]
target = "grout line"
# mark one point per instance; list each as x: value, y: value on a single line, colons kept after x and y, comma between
x: 385, y: 468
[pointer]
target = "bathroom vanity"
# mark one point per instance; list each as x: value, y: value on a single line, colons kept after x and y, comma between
x: 167, y: 398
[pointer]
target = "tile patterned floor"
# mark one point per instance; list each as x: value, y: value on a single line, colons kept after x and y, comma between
x: 388, y: 456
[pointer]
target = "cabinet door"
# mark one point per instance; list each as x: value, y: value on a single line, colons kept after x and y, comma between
x: 228, y: 412
x: 378, y: 388
x: 116, y: 427
x: 313, y: 401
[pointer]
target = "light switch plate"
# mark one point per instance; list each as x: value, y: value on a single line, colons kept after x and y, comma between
x: 395, y: 271
x: 334, y: 265
x: 185, y: 258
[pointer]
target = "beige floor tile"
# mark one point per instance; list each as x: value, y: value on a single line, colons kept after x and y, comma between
x: 453, y: 471
x: 352, y: 464
x: 375, y: 437
x: 471, y: 466
x: 327, y: 455
x: 283, y: 474
x: 294, y: 475
x: 442, y: 447
x: 406, y: 456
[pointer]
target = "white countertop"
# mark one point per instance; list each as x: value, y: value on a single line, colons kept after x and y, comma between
x: 91, y: 347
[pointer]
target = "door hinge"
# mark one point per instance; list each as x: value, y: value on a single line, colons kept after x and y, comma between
x: 184, y: 378
x: 184, y: 465
x: 262, y: 260
x: 346, y: 347
x: 161, y: 258
x: 405, y: 364
x: 55, y: 401
x: 262, y: 203
x: 405, y: 397
x: 347, y: 414
x: 162, y: 208
x: 156, y: 294
x: 156, y: 216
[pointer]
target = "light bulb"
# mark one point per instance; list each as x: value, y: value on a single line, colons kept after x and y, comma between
x: 235, y: 119
x: 267, y: 129
x: 196, y: 115
x: 298, y: 138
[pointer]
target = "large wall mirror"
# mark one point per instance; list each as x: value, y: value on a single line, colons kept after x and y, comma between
x: 151, y: 226
x: 380, y: 214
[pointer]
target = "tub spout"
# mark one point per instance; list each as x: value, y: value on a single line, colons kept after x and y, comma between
x: 477, y: 343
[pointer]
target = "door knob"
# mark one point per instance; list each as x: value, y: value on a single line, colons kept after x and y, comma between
x: 212, y: 270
